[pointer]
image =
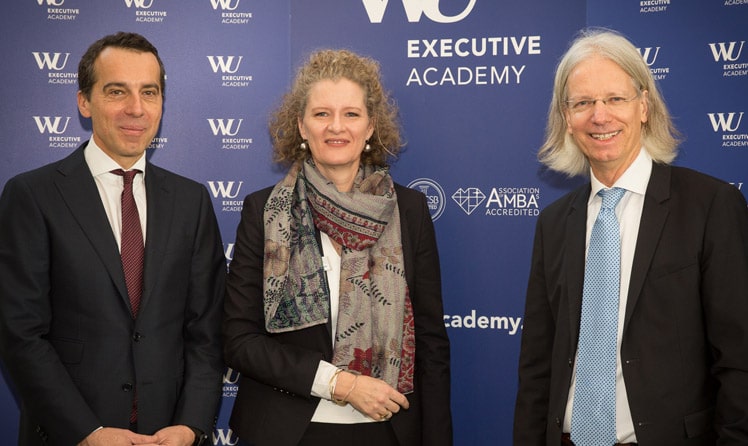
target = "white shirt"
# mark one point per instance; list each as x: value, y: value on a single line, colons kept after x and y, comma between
x: 110, y: 187
x: 327, y: 411
x: 629, y: 212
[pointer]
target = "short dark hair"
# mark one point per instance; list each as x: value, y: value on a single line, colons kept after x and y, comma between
x: 131, y: 41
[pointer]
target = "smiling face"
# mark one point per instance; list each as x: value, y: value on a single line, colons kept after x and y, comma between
x: 336, y: 125
x: 609, y: 136
x: 126, y: 103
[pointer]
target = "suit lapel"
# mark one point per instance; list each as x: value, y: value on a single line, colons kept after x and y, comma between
x: 574, y: 258
x: 78, y: 190
x: 654, y: 215
x: 160, y: 203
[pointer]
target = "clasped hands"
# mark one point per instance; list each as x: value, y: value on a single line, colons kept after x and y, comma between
x: 371, y: 396
x: 168, y: 436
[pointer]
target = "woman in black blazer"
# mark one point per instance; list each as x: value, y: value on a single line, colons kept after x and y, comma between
x: 333, y: 311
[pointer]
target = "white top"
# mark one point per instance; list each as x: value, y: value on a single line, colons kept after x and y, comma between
x: 327, y: 411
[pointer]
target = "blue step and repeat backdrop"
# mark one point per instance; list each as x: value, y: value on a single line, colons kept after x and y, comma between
x: 472, y: 79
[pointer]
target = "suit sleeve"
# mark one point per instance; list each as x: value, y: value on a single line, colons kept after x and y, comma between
x: 40, y: 378
x: 249, y: 348
x: 724, y: 291
x: 531, y: 408
x: 432, y: 343
x: 201, y: 393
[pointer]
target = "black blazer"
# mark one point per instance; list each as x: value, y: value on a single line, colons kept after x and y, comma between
x: 274, y: 405
x: 684, y: 347
x: 66, y: 334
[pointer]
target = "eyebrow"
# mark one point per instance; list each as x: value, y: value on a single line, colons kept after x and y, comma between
x: 124, y: 85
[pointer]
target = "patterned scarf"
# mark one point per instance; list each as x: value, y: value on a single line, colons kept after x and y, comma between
x: 375, y: 329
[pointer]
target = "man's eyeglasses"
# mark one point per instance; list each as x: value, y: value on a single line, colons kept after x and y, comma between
x: 582, y: 105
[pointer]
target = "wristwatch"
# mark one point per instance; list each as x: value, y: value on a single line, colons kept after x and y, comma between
x: 200, y: 438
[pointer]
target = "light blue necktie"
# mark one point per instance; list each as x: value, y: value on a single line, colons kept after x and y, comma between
x: 593, y: 420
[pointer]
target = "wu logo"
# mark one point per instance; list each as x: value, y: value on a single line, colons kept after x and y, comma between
x: 225, y: 190
x: 231, y: 376
x: 143, y: 4
x: 726, y: 51
x: 414, y: 9
x: 647, y: 55
x: 225, y: 126
x: 724, y: 121
x: 229, y: 254
x: 50, y: 61
x: 224, y: 437
x: 47, y: 124
x: 225, y: 63
x: 224, y: 4
x: 51, y: 2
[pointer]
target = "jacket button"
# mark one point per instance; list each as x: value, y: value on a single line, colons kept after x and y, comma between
x: 137, y: 336
x: 126, y: 387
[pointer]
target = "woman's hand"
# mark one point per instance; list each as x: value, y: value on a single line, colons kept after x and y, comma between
x: 371, y: 396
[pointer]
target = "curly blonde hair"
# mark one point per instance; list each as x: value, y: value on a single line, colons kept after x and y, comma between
x: 334, y: 65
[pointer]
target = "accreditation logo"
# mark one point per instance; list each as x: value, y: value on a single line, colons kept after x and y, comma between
x: 499, y: 201
x: 435, y: 198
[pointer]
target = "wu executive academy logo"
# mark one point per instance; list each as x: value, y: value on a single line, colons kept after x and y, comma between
x: 54, y: 64
x: 56, y: 11
x: 228, y: 67
x: 728, y: 125
x: 649, y: 55
x: 228, y: 130
x: 500, y: 202
x: 415, y: 9
x: 728, y: 54
x: 228, y: 192
x: 55, y: 128
x: 229, y: 14
x: 144, y: 13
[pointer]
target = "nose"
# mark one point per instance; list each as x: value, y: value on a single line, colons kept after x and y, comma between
x: 600, y: 112
x: 336, y: 123
x: 134, y: 105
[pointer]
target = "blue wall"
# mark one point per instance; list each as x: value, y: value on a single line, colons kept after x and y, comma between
x: 472, y: 79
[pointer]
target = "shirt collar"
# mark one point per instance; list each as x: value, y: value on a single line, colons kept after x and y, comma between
x: 99, y: 162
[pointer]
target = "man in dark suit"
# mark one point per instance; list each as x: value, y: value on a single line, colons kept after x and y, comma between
x: 90, y: 365
x: 679, y: 371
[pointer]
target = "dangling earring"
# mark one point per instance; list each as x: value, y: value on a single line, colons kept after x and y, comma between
x: 303, y: 145
x: 367, y: 147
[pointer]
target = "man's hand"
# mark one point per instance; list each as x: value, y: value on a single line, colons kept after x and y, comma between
x: 111, y: 436
x: 174, y: 436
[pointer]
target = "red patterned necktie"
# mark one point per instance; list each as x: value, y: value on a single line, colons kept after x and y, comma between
x: 131, y: 245
x: 131, y: 251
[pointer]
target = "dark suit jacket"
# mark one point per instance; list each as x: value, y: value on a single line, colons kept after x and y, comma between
x: 67, y: 337
x: 684, y: 347
x: 274, y: 405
